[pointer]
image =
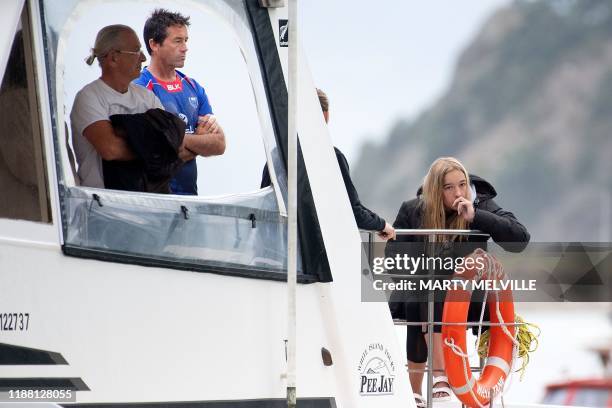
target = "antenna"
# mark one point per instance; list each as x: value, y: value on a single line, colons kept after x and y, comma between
x: 292, y: 206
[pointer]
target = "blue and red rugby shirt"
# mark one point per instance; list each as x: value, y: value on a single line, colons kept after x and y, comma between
x: 187, y: 99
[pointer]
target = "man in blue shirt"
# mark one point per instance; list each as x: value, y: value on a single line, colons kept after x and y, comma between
x: 165, y: 36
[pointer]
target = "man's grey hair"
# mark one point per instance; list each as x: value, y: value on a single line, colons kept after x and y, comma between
x: 108, y: 39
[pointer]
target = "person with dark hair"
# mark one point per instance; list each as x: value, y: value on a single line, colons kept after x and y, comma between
x: 366, y: 219
x: 165, y: 35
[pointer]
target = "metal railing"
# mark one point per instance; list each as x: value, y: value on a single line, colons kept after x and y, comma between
x: 429, y: 369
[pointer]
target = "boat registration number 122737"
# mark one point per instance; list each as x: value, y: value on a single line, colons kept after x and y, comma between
x: 14, y: 321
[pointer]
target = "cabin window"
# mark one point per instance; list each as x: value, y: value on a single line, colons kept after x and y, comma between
x: 23, y: 183
x: 233, y: 226
x: 592, y: 397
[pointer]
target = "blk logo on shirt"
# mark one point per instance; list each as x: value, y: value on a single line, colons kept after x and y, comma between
x: 173, y: 87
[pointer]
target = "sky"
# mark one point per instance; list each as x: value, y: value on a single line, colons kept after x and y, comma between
x: 378, y: 64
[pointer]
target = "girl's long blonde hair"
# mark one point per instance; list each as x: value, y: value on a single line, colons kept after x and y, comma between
x: 434, y: 214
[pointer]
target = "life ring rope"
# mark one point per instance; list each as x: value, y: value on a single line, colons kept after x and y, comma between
x: 493, y: 270
x: 503, y: 323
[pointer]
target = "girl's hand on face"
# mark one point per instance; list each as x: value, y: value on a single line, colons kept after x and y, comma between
x: 465, y: 208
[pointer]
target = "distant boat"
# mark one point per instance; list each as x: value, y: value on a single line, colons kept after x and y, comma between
x: 580, y: 393
x: 589, y: 392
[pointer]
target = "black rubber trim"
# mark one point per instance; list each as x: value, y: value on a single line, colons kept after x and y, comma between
x: 314, y: 256
x: 49, y: 65
x: 43, y: 383
x: 255, y: 403
x: 210, y: 267
x: 18, y: 355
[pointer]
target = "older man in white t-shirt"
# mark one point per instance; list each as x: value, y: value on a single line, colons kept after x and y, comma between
x: 118, y: 51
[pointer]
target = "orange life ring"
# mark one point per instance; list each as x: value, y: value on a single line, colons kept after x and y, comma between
x: 471, y: 391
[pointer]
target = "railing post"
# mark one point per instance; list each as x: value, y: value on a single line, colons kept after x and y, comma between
x: 430, y: 332
x: 370, y: 247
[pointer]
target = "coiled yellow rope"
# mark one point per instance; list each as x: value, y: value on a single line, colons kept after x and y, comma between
x: 527, y: 340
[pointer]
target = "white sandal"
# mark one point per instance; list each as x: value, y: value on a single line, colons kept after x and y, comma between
x: 420, y: 401
x: 447, y: 390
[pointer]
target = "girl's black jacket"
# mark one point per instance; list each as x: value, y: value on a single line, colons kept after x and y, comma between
x: 489, y: 217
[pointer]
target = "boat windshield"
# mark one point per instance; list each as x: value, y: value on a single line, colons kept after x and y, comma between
x: 233, y: 226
